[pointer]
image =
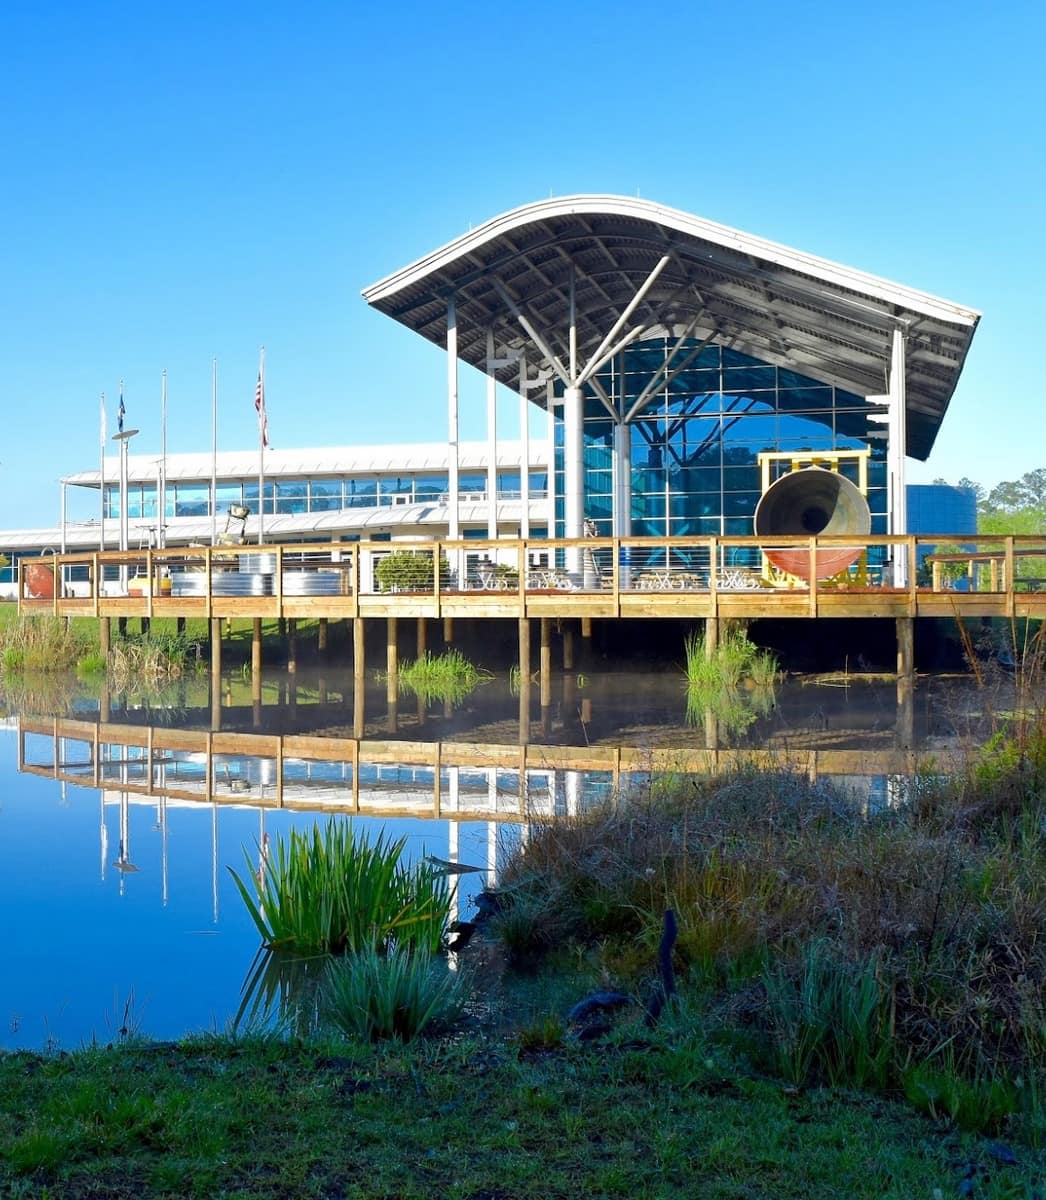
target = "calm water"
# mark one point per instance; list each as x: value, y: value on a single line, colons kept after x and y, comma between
x: 117, y: 833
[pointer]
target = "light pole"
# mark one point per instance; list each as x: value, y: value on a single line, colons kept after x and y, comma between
x: 123, y: 437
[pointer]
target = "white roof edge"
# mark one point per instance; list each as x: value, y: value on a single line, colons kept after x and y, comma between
x: 626, y: 206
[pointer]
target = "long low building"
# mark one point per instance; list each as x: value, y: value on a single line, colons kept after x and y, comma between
x: 334, y: 494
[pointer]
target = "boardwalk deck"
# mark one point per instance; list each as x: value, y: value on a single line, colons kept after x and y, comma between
x: 590, y: 578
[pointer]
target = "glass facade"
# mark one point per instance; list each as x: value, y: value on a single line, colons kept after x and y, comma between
x: 695, y: 442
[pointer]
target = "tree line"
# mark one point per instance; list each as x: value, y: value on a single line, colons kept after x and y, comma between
x: 1013, y: 506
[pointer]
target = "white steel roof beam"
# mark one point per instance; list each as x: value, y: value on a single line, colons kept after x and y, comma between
x: 664, y: 375
x: 528, y: 327
x: 597, y: 358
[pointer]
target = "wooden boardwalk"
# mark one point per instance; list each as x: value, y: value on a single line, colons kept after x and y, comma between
x: 610, y: 578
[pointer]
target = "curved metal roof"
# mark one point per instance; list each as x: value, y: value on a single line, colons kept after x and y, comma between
x: 784, y: 306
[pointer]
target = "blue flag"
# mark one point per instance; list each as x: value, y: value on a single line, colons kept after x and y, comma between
x: 121, y: 412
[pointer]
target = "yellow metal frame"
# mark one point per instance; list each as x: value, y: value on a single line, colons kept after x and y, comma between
x: 813, y: 458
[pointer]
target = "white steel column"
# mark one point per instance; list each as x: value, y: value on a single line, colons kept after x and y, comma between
x: 452, y: 415
x: 492, y: 441
x: 896, y: 444
x: 573, y: 463
x: 524, y: 451
x: 622, y: 479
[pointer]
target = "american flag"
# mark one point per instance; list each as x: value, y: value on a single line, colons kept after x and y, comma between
x: 259, y: 405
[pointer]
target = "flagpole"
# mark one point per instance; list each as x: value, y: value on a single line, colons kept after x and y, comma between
x: 261, y: 448
x: 161, y: 499
x: 214, y: 450
x: 101, y: 485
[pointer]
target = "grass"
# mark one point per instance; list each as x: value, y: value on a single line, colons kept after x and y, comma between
x: 370, y: 997
x: 39, y: 644
x: 714, y: 682
x: 150, y: 658
x: 902, y: 951
x: 449, y: 677
x: 327, y: 892
x: 661, y: 1115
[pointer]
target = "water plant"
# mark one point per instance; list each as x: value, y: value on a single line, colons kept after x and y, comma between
x: 733, y: 660
x: 151, y: 657
x: 714, y: 680
x: 449, y: 677
x: 326, y: 891
x: 370, y: 996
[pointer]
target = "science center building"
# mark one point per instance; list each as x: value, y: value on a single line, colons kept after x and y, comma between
x: 687, y: 369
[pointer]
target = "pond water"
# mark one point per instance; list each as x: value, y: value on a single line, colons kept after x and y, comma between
x: 121, y: 814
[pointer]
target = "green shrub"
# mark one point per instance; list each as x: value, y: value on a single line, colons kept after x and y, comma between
x: 370, y: 996
x: 410, y: 571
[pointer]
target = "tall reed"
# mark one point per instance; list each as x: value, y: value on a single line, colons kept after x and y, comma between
x: 328, y: 892
x: 449, y: 677
x: 39, y: 644
x: 371, y: 997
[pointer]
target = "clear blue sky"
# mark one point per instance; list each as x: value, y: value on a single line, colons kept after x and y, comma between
x: 194, y: 180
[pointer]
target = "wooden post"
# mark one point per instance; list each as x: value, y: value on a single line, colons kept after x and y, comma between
x: 292, y: 645
x: 904, y: 735
x: 146, y: 626
x: 321, y: 636
x: 421, y: 648
x: 359, y: 675
x: 256, y: 649
x: 586, y: 628
x: 711, y: 636
x: 546, y: 666
x: 104, y: 636
x: 524, y: 680
x: 905, y: 647
x: 392, y: 673
x: 568, y: 648
x: 179, y: 626
x: 216, y: 673
x: 392, y: 663
x: 448, y: 630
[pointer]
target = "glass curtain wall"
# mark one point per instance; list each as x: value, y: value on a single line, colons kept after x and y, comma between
x: 695, y: 442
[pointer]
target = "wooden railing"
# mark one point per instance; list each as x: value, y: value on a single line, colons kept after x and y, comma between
x: 787, y: 576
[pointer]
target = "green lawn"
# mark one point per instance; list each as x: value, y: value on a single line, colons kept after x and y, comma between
x: 654, y: 1116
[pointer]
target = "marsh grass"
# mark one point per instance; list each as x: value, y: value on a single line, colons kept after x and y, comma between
x: 734, y: 684
x: 327, y: 892
x: 852, y: 948
x: 449, y: 677
x: 370, y: 996
x: 154, y: 659
x: 831, y: 1018
x: 39, y: 644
